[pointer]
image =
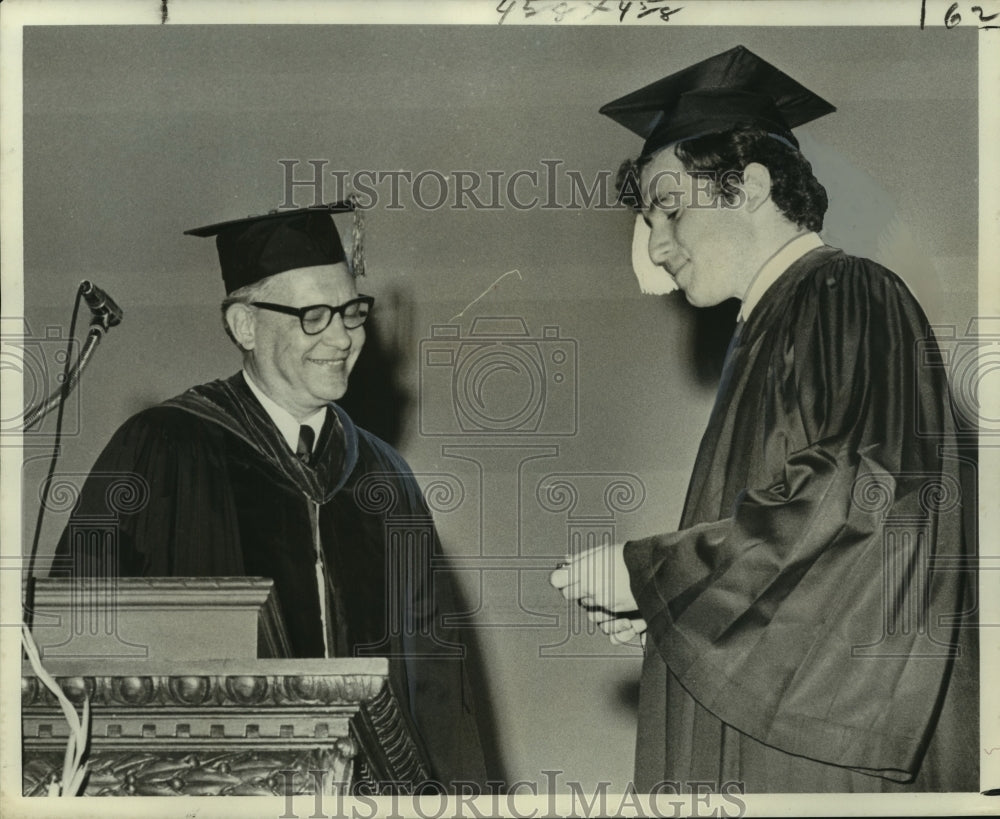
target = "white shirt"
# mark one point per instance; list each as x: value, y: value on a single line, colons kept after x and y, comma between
x: 772, y: 269
x: 286, y: 423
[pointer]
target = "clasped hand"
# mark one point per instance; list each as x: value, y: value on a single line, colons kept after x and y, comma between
x: 598, y: 580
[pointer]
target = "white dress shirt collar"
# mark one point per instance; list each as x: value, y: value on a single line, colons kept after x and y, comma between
x: 772, y: 269
x: 286, y: 423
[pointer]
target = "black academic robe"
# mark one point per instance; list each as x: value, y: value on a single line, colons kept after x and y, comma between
x: 811, y: 627
x: 226, y: 497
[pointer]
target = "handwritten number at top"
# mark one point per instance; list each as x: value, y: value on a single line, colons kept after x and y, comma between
x: 953, y: 17
x: 560, y: 11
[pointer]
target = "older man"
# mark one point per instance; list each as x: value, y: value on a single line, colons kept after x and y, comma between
x: 262, y: 474
x: 810, y: 625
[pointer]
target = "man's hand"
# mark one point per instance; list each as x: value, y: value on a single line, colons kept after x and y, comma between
x: 597, y: 578
x: 620, y: 630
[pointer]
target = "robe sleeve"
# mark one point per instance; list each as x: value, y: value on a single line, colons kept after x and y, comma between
x: 808, y: 618
x: 155, y: 504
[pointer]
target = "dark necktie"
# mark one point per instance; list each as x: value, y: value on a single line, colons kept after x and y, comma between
x: 304, y: 449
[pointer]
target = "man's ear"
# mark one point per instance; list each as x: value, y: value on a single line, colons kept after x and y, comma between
x: 242, y: 324
x: 756, y: 185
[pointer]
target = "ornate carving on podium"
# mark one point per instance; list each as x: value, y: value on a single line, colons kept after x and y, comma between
x: 241, y: 773
x: 285, y: 730
x: 201, y: 690
x: 183, y: 721
x: 391, y: 759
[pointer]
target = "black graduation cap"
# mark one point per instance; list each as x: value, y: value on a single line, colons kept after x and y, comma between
x: 731, y: 88
x: 256, y: 247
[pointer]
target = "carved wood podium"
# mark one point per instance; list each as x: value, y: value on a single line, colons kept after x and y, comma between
x: 170, y: 716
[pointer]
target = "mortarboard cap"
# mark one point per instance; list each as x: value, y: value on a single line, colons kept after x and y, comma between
x: 735, y: 87
x: 256, y: 247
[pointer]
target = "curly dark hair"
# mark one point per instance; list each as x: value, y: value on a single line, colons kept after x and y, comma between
x: 627, y: 182
x: 723, y: 156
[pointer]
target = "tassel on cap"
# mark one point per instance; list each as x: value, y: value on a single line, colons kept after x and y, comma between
x: 357, y: 237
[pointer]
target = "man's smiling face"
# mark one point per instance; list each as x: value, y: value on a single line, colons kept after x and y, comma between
x: 701, y: 240
x: 304, y: 372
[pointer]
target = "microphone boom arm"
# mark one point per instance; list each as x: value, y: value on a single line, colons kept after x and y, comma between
x: 43, y: 408
x: 105, y: 314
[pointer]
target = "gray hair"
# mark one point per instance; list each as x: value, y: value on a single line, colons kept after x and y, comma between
x: 258, y: 291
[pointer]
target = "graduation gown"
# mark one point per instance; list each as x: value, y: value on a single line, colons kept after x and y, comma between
x: 226, y: 497
x: 810, y: 625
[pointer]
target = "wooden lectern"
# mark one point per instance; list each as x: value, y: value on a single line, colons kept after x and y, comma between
x: 192, y: 693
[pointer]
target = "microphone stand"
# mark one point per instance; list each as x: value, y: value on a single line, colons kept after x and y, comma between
x: 45, y: 406
x: 100, y: 323
x: 102, y: 320
x: 105, y: 314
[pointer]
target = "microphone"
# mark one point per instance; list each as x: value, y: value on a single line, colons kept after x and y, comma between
x: 104, y: 308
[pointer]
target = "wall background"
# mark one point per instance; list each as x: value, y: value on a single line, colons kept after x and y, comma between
x: 134, y: 134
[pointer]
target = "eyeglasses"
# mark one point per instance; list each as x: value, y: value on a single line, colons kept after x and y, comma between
x: 317, y: 317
